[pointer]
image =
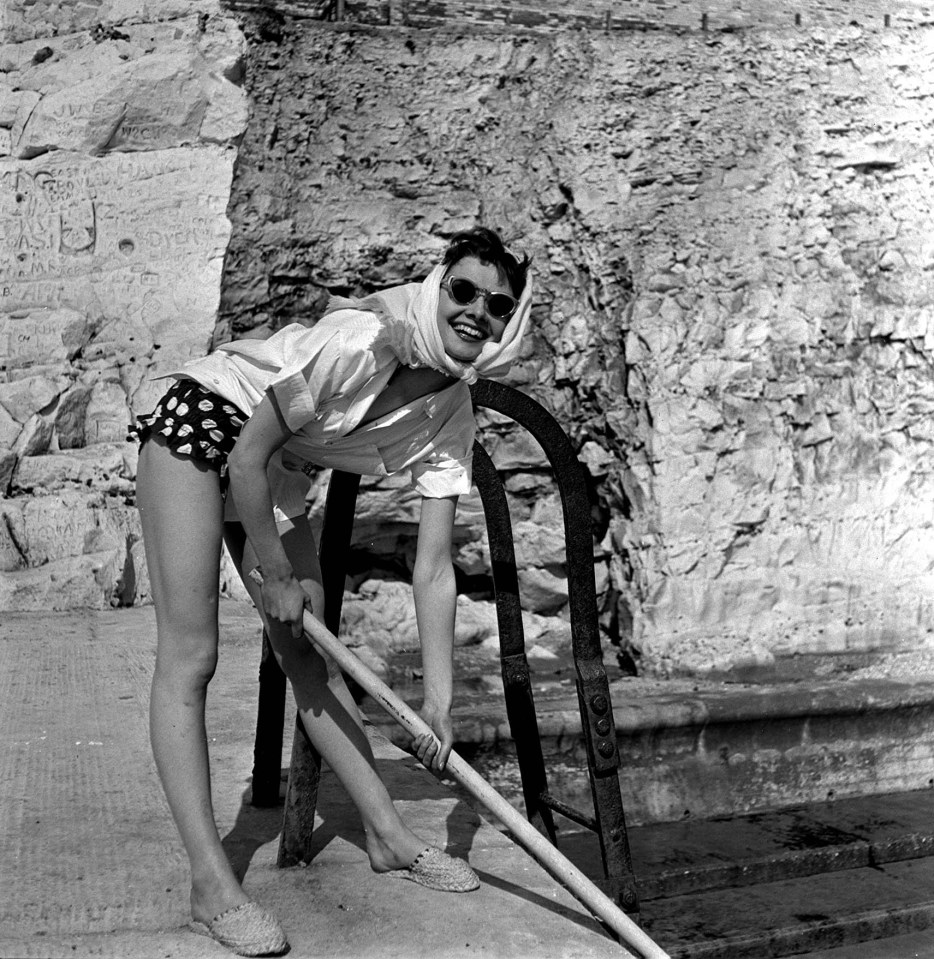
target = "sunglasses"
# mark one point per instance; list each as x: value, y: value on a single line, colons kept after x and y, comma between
x: 500, y: 306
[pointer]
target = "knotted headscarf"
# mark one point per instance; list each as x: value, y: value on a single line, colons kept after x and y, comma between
x: 411, y: 314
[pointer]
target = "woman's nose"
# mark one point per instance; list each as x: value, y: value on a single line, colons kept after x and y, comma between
x: 477, y: 310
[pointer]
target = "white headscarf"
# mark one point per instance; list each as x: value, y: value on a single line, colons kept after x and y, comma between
x: 412, y: 311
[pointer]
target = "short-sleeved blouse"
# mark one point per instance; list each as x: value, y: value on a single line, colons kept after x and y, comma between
x: 324, y: 379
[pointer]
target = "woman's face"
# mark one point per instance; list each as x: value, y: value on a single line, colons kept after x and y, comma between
x: 466, y: 329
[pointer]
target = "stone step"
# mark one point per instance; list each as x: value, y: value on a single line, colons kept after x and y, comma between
x: 796, y: 916
x: 727, y: 852
x: 793, y: 881
x: 694, y: 749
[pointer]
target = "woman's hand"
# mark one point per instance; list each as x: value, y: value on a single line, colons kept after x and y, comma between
x: 285, y: 600
x: 433, y: 751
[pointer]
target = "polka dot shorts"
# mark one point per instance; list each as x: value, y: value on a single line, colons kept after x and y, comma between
x: 194, y: 422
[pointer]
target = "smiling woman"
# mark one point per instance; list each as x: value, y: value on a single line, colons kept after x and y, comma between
x: 374, y: 387
x: 466, y: 321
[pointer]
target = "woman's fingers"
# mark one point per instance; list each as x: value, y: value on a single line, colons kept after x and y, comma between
x: 426, y: 748
x: 443, y: 754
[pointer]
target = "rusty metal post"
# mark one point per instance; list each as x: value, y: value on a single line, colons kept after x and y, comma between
x: 592, y: 686
x: 517, y: 684
x: 301, y: 798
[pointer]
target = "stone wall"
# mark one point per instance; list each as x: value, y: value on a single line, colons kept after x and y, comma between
x: 734, y: 309
x: 118, y: 126
x: 733, y: 318
x: 608, y: 15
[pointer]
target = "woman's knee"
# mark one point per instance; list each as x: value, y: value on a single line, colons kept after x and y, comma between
x: 190, y: 664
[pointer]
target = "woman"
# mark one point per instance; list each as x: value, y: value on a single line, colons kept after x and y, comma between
x: 374, y: 387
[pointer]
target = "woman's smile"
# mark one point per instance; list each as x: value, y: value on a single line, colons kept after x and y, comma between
x: 466, y: 328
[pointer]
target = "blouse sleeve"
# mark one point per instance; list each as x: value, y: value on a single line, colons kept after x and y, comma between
x: 447, y: 470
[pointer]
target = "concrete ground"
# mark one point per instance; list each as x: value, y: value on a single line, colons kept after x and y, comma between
x: 91, y: 865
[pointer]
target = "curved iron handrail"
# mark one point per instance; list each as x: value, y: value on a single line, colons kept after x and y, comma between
x: 591, y: 680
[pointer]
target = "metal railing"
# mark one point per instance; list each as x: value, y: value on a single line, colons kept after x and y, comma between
x: 608, y: 821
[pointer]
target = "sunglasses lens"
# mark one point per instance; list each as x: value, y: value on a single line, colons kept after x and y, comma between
x: 463, y: 291
x: 500, y: 305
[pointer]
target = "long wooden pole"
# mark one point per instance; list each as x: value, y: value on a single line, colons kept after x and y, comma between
x: 524, y: 832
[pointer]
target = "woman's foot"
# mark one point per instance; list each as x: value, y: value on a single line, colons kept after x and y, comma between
x: 405, y: 856
x: 437, y: 870
x: 211, y: 898
x: 248, y: 930
x: 393, y: 851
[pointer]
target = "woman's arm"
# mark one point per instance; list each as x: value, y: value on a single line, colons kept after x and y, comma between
x: 435, y: 604
x: 265, y: 431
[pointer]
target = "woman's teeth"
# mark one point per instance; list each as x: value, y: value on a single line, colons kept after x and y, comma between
x: 468, y: 332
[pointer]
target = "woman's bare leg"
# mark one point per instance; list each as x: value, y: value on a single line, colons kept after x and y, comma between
x: 181, y: 513
x: 328, y: 710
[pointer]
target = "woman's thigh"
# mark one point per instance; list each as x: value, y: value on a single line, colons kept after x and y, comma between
x: 180, y: 508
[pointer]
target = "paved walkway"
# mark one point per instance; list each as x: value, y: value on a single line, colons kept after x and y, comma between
x: 90, y: 864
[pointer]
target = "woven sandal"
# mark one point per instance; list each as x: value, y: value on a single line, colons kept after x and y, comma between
x: 247, y: 930
x: 437, y: 870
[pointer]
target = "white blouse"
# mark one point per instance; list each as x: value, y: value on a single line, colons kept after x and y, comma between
x: 324, y: 379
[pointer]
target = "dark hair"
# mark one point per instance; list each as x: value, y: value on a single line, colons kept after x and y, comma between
x: 487, y: 247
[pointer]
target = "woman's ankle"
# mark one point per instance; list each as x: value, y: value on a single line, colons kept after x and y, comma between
x: 213, y: 895
x: 395, y: 849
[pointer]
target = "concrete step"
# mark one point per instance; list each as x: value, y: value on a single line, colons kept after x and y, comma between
x: 727, y: 852
x: 796, y: 916
x: 818, y: 877
x: 694, y: 748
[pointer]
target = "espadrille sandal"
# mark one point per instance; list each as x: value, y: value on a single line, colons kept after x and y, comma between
x: 437, y: 870
x: 247, y: 930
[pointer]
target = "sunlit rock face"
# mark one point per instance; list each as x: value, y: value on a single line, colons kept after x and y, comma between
x: 118, y: 126
x: 733, y: 318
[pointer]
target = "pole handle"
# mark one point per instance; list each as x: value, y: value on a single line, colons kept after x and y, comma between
x: 522, y: 830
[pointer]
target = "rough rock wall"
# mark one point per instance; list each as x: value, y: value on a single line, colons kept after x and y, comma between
x: 623, y: 14
x: 118, y: 124
x: 734, y: 312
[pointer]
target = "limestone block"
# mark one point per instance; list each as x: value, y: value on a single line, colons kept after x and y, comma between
x: 42, y: 336
x: 542, y: 591
x: 155, y: 102
x: 595, y: 458
x: 73, y: 582
x: 70, y: 416
x: 70, y: 523
x: 381, y: 617
x: 223, y: 46
x: 142, y: 590
x: 100, y: 467
x: 22, y: 398
x: 11, y: 558
x: 516, y: 451
x: 548, y: 511
x: 51, y: 18
x: 9, y: 429
x: 7, y: 465
x: 134, y: 236
x: 107, y: 414
x: 15, y: 106
x: 538, y: 545
x: 473, y: 556
x: 226, y: 112
x: 35, y: 436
